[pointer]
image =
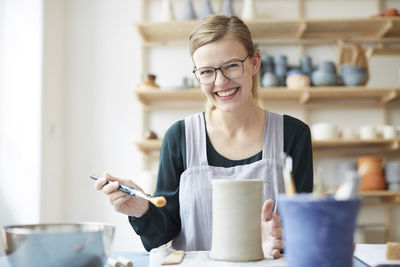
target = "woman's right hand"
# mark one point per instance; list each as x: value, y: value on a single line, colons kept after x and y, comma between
x: 131, y: 206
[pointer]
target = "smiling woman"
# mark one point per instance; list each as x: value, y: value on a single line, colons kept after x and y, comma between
x: 233, y: 139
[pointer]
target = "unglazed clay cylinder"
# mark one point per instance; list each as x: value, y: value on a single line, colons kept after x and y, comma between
x: 236, y: 226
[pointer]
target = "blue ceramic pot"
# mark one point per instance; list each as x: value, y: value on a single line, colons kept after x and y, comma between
x: 353, y: 75
x: 321, y: 77
x: 327, y: 66
x: 306, y: 65
x: 269, y: 79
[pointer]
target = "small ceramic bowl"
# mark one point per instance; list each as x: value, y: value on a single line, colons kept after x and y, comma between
x: 324, y: 131
x: 353, y: 75
x: 368, y: 132
x: 349, y: 134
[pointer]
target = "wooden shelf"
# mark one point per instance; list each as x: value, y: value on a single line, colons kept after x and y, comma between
x: 284, y: 31
x: 356, y: 147
x: 312, y: 97
x: 382, y: 193
x: 148, y: 146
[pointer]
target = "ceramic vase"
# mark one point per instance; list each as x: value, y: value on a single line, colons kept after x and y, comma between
x: 188, y: 11
x: 280, y: 68
x: 249, y: 10
x: 306, y: 65
x: 393, y: 172
x: 269, y: 80
x: 236, y: 223
x: 227, y: 8
x: 325, y: 74
x: 372, y: 173
x: 167, y: 11
x: 206, y: 9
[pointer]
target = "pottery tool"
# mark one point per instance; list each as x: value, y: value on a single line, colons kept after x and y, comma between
x: 113, y: 262
x: 290, y: 189
x: 157, y: 201
x: 125, y: 262
x: 175, y: 257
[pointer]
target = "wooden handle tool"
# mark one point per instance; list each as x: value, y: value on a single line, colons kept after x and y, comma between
x: 157, y: 201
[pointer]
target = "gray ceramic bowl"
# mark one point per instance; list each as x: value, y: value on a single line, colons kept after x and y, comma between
x: 86, y: 244
x: 354, y: 75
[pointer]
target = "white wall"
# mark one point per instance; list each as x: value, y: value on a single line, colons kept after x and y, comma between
x: 102, y: 116
x: 20, y: 106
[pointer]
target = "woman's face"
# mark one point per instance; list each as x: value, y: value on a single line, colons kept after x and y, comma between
x: 227, y: 94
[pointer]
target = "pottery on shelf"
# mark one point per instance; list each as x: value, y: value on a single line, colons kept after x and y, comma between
x: 368, y: 132
x: 353, y: 75
x: 280, y: 68
x: 249, y: 10
x: 269, y: 80
x: 393, y: 172
x: 148, y: 82
x: 206, y: 9
x: 324, y: 131
x: 167, y: 11
x: 372, y: 173
x: 349, y: 134
x: 297, y: 81
x: 227, y: 8
x: 306, y: 65
x: 188, y: 11
x: 267, y: 64
x: 325, y: 74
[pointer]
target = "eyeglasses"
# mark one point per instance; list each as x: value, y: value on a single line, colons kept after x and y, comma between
x: 230, y: 70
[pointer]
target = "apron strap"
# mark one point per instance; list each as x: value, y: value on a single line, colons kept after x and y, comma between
x: 273, y: 137
x: 195, y: 134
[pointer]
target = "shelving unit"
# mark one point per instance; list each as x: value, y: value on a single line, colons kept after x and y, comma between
x: 285, y: 31
x: 377, y: 33
x: 307, y: 98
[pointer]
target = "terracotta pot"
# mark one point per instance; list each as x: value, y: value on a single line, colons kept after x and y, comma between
x: 372, y: 173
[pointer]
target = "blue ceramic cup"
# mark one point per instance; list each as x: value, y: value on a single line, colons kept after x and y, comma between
x: 318, y: 232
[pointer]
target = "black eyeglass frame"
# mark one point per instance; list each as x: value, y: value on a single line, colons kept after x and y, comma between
x: 220, y: 69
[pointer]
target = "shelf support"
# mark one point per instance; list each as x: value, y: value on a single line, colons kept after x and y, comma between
x: 385, y: 28
x: 389, y: 96
x: 305, y: 97
x: 301, y: 29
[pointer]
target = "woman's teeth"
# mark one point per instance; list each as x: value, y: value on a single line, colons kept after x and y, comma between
x: 227, y: 93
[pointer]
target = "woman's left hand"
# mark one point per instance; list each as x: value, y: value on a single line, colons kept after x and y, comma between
x: 271, y: 231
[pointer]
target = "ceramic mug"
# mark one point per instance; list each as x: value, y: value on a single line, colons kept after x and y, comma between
x: 368, y: 132
x: 324, y: 131
x: 349, y: 134
x: 389, y: 132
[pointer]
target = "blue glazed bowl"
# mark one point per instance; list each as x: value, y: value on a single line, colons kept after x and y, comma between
x: 353, y: 75
x: 320, y: 78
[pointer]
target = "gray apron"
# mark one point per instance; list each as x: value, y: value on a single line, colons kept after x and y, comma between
x: 195, y: 190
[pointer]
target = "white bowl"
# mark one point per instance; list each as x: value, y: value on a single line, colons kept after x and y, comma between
x: 324, y: 131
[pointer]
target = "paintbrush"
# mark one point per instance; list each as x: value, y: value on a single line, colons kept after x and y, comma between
x: 290, y: 189
x: 157, y: 201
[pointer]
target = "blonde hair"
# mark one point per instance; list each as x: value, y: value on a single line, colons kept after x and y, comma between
x: 215, y: 27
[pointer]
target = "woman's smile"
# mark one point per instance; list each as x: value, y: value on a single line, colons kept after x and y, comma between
x: 227, y: 93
